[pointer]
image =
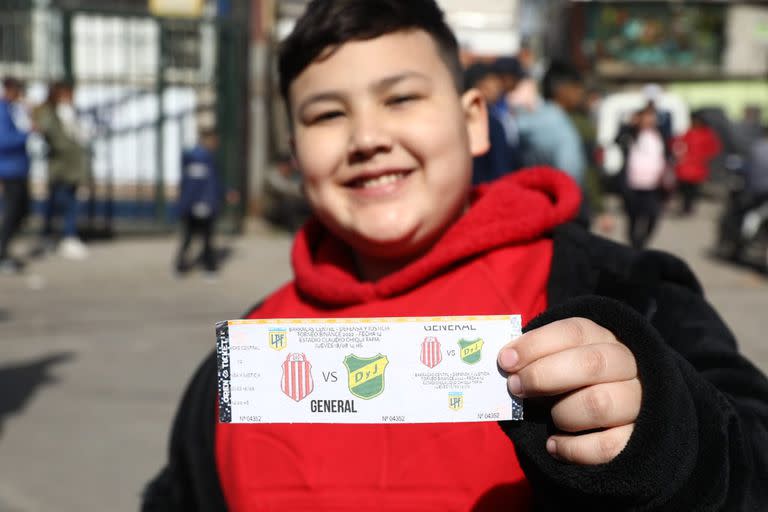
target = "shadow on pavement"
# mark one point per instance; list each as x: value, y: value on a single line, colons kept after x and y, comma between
x: 20, y: 381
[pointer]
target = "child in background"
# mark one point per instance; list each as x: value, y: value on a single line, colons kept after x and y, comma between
x: 635, y: 394
x: 200, y: 198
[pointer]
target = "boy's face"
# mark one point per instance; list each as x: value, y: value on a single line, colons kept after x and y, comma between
x: 385, y: 143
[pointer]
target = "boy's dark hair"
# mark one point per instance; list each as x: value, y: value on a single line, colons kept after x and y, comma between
x: 331, y: 23
x: 557, y: 74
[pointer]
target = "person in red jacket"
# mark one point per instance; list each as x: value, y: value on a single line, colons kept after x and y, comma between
x: 635, y: 395
x: 693, y: 152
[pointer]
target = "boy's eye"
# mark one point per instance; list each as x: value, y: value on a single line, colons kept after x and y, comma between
x: 326, y: 116
x: 401, y: 98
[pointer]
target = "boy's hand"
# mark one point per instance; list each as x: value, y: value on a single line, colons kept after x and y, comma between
x: 595, y: 378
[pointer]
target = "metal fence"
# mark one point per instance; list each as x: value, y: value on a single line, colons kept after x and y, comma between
x: 144, y: 86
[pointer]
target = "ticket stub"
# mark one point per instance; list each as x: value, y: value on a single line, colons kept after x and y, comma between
x: 365, y: 370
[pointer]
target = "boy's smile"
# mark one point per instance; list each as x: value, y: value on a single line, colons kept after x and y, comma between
x: 385, y: 143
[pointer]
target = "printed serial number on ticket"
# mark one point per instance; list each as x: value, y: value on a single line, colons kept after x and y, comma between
x: 365, y: 370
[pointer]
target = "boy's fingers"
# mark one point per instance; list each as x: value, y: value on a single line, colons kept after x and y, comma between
x: 593, y: 448
x: 599, y: 406
x: 551, y: 338
x: 572, y: 369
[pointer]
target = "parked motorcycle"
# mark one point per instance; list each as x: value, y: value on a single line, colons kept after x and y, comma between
x: 742, y: 234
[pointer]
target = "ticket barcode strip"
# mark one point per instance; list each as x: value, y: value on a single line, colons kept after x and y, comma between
x: 225, y: 372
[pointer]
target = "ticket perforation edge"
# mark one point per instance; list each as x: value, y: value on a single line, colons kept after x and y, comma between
x: 224, y: 371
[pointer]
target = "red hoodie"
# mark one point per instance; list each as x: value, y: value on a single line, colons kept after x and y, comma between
x: 494, y: 260
x: 693, y: 150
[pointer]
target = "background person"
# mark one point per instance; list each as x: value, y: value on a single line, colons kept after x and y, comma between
x: 646, y: 163
x: 510, y: 71
x: 201, y: 194
x: 749, y: 128
x: 68, y: 168
x: 546, y: 134
x: 564, y: 85
x: 14, y: 169
x: 499, y: 159
x: 693, y: 152
x: 756, y: 172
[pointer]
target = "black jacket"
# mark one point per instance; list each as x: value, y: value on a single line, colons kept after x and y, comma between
x: 700, y: 441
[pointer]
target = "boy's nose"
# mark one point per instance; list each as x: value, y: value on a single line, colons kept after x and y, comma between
x: 368, y: 137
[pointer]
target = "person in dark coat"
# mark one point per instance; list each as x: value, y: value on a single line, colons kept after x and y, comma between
x: 200, y: 199
x: 500, y: 158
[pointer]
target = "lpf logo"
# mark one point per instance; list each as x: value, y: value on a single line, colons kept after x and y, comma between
x: 278, y: 338
x: 455, y: 400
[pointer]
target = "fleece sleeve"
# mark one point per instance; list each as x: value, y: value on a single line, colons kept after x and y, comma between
x: 701, y: 438
x: 189, y: 481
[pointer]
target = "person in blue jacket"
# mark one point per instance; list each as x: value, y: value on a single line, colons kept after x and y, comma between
x: 14, y: 169
x: 200, y: 198
x: 500, y: 158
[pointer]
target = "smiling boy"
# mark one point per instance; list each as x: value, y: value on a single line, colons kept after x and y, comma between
x: 636, y: 397
x: 384, y: 143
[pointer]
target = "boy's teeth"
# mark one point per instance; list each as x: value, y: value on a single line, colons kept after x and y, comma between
x: 384, y: 179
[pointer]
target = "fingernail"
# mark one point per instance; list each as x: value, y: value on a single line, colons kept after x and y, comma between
x: 514, y: 385
x: 508, y: 358
x: 552, y: 447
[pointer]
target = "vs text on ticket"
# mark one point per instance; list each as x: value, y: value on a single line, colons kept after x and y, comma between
x: 365, y: 370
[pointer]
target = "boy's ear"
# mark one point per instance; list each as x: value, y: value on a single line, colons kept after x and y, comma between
x: 476, y: 117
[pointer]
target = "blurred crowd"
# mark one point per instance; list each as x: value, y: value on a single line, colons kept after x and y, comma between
x: 64, y: 143
x: 65, y: 148
x: 551, y: 116
x: 554, y: 120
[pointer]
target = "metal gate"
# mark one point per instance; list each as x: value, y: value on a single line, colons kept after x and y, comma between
x: 144, y: 86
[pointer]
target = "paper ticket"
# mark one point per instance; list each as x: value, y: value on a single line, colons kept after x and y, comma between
x: 365, y: 370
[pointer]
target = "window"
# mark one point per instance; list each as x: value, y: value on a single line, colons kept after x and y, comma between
x: 15, y: 36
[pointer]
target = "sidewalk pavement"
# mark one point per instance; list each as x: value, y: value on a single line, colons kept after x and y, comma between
x: 94, y: 357
x: 95, y: 354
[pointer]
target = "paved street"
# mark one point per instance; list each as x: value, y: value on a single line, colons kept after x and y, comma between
x: 94, y: 355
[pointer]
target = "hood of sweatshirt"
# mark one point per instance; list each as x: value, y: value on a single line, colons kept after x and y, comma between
x: 516, y: 209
